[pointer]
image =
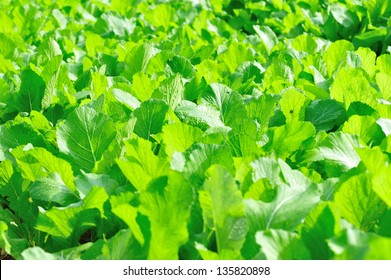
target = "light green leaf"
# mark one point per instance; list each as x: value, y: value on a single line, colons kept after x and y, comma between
x: 178, y: 137
x: 282, y: 245
x: 31, y: 92
x: 223, y: 210
x: 150, y: 116
x: 292, y: 103
x: 320, y: 225
x: 358, y: 203
x: 71, y: 222
x: 202, y: 156
x: 84, y: 136
x: 141, y: 165
x: 336, y: 54
x: 53, y: 189
x: 366, y: 127
x: 228, y: 102
x: 287, y: 139
x: 171, y: 91
x: 286, y: 211
x: 167, y: 204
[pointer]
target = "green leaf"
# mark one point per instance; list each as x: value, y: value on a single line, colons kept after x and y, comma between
x: 351, y: 86
x: 282, y: 245
x: 325, y: 114
x: 202, y: 156
x: 182, y: 65
x: 71, y: 222
x: 228, y: 102
x: 13, y: 134
x: 292, y: 103
x: 338, y: 150
x: 377, y: 164
x: 150, y: 116
x: 31, y: 92
x: 235, y: 55
x: 167, y: 204
x: 358, y: 203
x: 262, y: 109
x: 223, y: 210
x: 366, y: 127
x: 335, y: 55
x: 171, y: 91
x: 141, y: 165
x: 161, y: 16
x: 128, y: 214
x: 84, y: 137
x: 53, y: 189
x: 178, y: 137
x: 291, y: 204
x: 320, y: 225
x: 55, y: 165
x: 287, y: 139
x: 137, y: 58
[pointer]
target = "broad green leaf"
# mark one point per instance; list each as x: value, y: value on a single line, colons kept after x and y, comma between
x: 167, y: 204
x: 182, y: 65
x: 228, y: 102
x: 262, y: 109
x: 325, y: 114
x: 235, y: 55
x: 113, y: 22
x: 71, y: 222
x: 383, y: 63
x: 10, y: 245
x: 201, y: 116
x: 161, y: 16
x: 178, y: 137
x: 242, y: 138
x: 54, y: 164
x: 305, y: 43
x: 291, y: 204
x: 202, y: 156
x: 368, y: 59
x: 84, y: 137
x: 140, y: 165
x: 336, y: 54
x: 53, y: 189
x: 31, y: 92
x: 383, y: 80
x: 320, y: 225
x: 122, y: 246
x: 223, y: 210
x: 358, y: 203
x: 351, y: 86
x: 287, y: 139
x: 366, y: 127
x: 150, y: 116
x: 279, y: 244
x: 137, y: 58
x: 171, y: 91
x: 338, y: 149
x: 48, y: 49
x: 128, y: 214
x: 377, y: 164
x: 267, y: 36
x: 143, y: 86
x: 13, y: 134
x: 292, y: 103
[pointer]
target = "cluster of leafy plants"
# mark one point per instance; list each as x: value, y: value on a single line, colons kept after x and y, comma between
x: 195, y: 129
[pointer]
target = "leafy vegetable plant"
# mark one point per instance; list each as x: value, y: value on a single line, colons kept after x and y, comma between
x: 195, y: 129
